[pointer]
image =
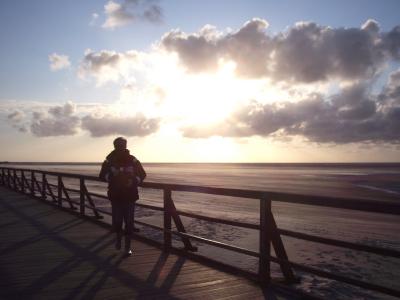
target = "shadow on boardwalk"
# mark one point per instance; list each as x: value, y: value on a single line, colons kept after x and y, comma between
x: 46, y: 253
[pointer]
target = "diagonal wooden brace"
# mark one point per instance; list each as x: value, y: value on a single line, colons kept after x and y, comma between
x: 71, y: 205
x: 90, y: 200
x: 47, y: 186
x: 179, y: 225
x: 280, y: 250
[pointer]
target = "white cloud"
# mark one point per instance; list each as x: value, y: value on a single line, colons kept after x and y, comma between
x: 107, y: 65
x: 94, y: 19
x: 59, y: 61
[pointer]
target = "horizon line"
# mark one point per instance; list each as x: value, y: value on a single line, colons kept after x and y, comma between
x: 194, y: 162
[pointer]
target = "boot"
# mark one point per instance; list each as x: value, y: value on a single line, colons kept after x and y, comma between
x: 118, y: 241
x: 128, y: 250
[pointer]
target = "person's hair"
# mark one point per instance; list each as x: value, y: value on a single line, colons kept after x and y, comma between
x: 120, y: 143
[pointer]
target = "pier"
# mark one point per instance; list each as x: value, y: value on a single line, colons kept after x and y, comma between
x: 57, y: 243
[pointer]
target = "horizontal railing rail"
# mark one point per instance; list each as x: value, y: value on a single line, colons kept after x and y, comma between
x: 387, y: 207
x: 36, y: 183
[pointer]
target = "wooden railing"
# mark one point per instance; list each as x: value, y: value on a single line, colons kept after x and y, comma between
x: 36, y: 184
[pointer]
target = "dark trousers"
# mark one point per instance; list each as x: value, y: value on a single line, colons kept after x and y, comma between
x: 123, y: 212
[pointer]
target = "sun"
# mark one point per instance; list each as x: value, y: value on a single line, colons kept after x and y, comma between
x: 203, y: 99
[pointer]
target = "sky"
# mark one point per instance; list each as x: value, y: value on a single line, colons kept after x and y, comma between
x: 200, y: 81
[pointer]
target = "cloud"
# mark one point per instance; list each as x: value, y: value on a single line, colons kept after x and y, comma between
x: 308, y: 52
x: 309, y: 59
x: 70, y: 119
x: 391, y: 42
x: 304, y: 53
x: 121, y: 14
x: 56, y: 121
x: 16, y: 116
x: 350, y: 116
x: 138, y: 125
x: 249, y: 48
x: 390, y: 96
x: 58, y: 61
x: 16, y: 119
x: 94, y: 18
x: 107, y: 65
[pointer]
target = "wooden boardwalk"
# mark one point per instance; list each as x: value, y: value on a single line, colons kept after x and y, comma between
x: 46, y: 253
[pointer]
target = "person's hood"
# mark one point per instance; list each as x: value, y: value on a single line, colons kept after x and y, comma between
x: 118, y: 153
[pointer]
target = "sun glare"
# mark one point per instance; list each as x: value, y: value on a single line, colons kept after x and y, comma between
x: 187, y: 99
x: 203, y: 99
x: 216, y: 149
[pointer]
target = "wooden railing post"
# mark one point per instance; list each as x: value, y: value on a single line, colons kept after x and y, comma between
x: 15, y: 180
x: 8, y: 178
x: 265, y: 241
x: 43, y: 186
x: 167, y: 219
x: 23, y: 181
x: 82, y: 195
x: 3, y: 179
x: 59, y: 190
x: 32, y: 183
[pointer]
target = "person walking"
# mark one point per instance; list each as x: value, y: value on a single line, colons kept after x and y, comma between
x: 124, y: 173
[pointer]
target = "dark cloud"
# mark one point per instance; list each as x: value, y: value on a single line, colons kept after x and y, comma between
x: 128, y: 126
x: 121, y: 14
x: 309, y: 52
x: 57, y: 121
x: 249, y: 47
x: 391, y: 42
x: 353, y: 115
x: 391, y: 93
x: 153, y: 14
x: 197, y: 52
x: 62, y: 111
x: 63, y: 120
x: 95, y: 61
x: 306, y: 52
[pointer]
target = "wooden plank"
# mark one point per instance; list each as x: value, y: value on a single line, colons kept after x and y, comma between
x: 320, y: 201
x: 58, y: 255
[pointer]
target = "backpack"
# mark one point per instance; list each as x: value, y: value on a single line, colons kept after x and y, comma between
x: 122, y: 173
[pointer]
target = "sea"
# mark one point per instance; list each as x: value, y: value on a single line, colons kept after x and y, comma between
x: 369, y: 181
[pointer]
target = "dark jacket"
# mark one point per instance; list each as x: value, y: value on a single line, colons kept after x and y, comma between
x: 124, y: 173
